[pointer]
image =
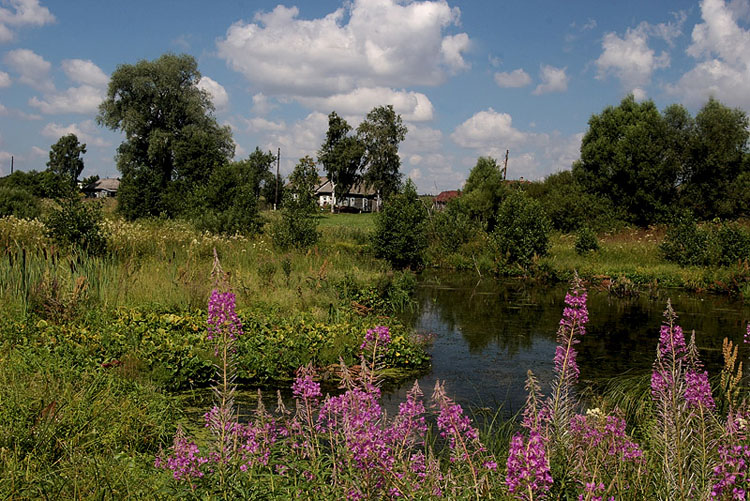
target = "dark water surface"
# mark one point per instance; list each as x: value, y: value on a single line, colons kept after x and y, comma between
x: 487, y: 334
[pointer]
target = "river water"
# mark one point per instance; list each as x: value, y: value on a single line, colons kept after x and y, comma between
x: 488, y: 333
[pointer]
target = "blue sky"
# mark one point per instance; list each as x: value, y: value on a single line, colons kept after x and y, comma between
x: 470, y: 78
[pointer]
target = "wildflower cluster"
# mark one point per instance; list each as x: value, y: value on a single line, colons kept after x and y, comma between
x: 528, y: 472
x: 367, y: 454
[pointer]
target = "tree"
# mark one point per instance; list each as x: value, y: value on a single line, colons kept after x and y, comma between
x: 341, y: 155
x: 380, y: 133
x: 484, y: 191
x: 716, y: 161
x: 172, y: 140
x: 65, y: 158
x: 623, y: 158
x: 401, y: 230
x: 522, y: 230
x: 302, y: 182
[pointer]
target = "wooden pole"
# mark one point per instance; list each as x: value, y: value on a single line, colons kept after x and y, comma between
x: 276, y: 197
x: 11, y: 164
x: 505, y: 169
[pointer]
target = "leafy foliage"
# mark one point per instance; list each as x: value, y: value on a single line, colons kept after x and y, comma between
x: 302, y: 182
x: 484, y: 191
x: 18, y: 202
x: 522, y: 230
x: 65, y: 158
x: 380, y: 133
x: 400, y: 230
x: 586, y: 241
x: 172, y: 141
x: 298, y: 226
x: 622, y: 159
x: 78, y: 224
x: 342, y: 156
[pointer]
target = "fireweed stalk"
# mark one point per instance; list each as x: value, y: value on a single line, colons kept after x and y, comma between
x: 572, y: 327
x: 668, y: 386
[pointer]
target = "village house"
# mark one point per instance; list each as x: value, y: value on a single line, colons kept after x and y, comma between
x: 103, y: 188
x: 440, y: 201
x: 359, y: 198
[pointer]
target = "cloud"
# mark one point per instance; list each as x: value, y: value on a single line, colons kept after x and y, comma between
x: 412, y: 106
x: 261, y: 104
x: 515, y: 78
x: 4, y: 80
x: 32, y: 69
x: 366, y: 43
x: 85, y: 131
x: 216, y: 91
x: 488, y: 128
x: 722, y: 48
x: 259, y: 124
x: 630, y: 59
x: 84, y: 71
x: 11, y: 112
x: 84, y: 99
x: 22, y: 13
x: 553, y: 80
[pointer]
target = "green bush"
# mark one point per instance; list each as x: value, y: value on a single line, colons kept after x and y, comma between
x: 400, y: 230
x: 452, y: 227
x: 522, y: 230
x: 18, y: 202
x: 586, y: 241
x: 78, y: 224
x: 733, y: 242
x: 297, y: 228
x: 685, y: 243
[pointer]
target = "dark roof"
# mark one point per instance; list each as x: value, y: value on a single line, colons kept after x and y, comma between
x: 446, y: 196
x: 325, y: 186
x: 108, y: 184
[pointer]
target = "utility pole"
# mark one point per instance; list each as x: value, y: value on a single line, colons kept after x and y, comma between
x: 11, y: 164
x: 276, y: 197
x: 505, y: 169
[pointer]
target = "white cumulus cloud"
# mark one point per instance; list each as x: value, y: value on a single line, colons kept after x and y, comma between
x: 4, y: 80
x: 21, y: 13
x: 84, y: 71
x: 722, y: 50
x: 216, y: 91
x: 631, y: 59
x: 553, y: 80
x: 84, y: 99
x: 366, y: 43
x: 412, y: 106
x: 33, y: 69
x: 85, y: 131
x: 486, y: 128
x: 515, y: 78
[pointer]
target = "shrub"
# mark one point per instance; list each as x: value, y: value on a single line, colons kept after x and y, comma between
x: 586, y: 241
x: 400, y: 230
x: 297, y: 228
x: 78, y: 224
x: 522, y: 229
x: 18, y: 202
x: 733, y: 242
x: 685, y: 243
x: 452, y: 227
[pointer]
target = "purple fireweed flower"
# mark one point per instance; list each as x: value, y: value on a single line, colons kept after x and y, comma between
x: 671, y: 340
x: 730, y: 476
x: 304, y: 387
x: 454, y: 425
x: 222, y: 318
x: 185, y: 460
x: 698, y: 390
x: 380, y: 334
x: 528, y: 470
x: 747, y: 334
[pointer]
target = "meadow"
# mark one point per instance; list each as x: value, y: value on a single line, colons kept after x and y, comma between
x: 94, y: 352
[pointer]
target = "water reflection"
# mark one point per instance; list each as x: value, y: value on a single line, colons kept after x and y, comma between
x: 489, y: 333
